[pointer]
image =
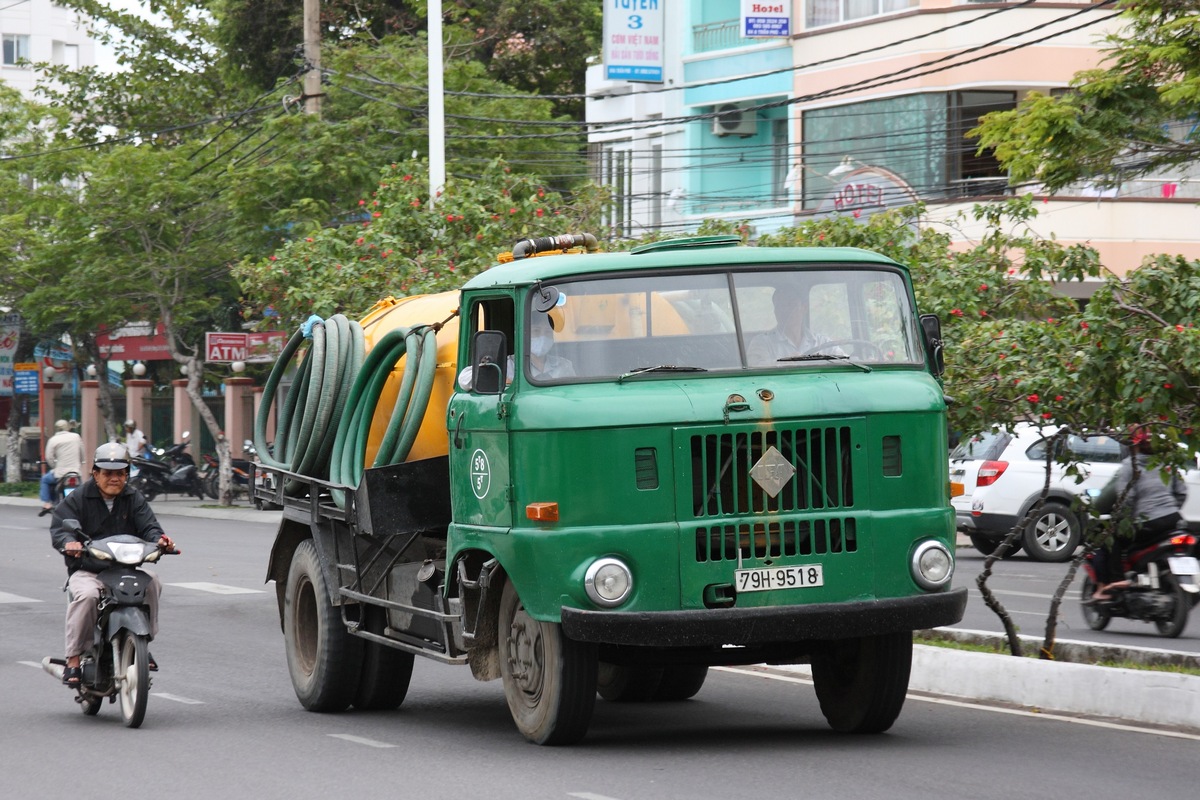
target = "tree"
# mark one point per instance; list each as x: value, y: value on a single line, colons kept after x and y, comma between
x: 1117, y: 122
x: 399, y: 243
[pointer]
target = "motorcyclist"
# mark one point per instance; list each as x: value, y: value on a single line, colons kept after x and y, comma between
x: 64, y: 453
x: 104, y: 506
x: 1152, y: 502
x: 135, y: 440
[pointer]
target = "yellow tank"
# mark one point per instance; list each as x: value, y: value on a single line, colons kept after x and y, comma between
x: 388, y: 315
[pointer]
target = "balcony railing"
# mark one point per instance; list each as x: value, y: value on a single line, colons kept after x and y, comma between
x: 716, y: 36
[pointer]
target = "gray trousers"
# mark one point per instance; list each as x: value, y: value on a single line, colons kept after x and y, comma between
x: 84, y: 590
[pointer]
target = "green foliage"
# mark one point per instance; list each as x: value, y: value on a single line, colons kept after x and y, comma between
x: 1117, y: 121
x: 398, y: 243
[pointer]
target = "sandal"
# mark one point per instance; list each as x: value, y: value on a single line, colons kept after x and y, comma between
x: 72, y: 677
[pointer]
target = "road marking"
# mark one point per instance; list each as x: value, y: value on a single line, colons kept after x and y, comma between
x: 925, y: 698
x: 176, y: 698
x: 361, y: 740
x: 5, y: 597
x: 216, y: 588
x: 589, y: 796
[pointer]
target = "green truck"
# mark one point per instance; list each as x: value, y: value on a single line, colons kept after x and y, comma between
x: 637, y: 466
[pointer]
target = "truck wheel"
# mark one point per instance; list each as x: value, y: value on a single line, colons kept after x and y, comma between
x: 1053, y: 534
x: 618, y: 683
x: 549, y: 680
x: 861, y: 682
x: 323, y: 659
x: 680, y: 683
x: 386, y: 671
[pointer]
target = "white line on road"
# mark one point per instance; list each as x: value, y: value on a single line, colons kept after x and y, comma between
x: 176, y: 698
x: 216, y: 588
x: 5, y: 597
x: 589, y: 796
x: 361, y: 740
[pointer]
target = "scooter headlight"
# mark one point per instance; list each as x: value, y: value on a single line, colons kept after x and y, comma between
x: 608, y: 582
x: 127, y: 552
x: 932, y: 565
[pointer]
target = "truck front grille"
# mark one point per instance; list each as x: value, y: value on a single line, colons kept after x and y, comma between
x: 722, y: 485
x: 772, y: 540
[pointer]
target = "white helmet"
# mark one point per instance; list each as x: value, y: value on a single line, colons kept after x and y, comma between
x: 111, y: 456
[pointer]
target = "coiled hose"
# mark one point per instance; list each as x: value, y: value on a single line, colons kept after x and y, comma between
x: 326, y: 417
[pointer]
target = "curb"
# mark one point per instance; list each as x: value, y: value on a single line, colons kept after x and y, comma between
x: 181, y: 508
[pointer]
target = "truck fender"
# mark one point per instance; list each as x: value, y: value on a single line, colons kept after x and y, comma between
x: 478, y: 579
x: 289, y: 537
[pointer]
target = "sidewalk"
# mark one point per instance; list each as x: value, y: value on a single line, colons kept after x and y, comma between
x: 1154, y: 698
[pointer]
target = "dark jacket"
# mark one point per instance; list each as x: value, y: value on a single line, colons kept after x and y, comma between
x: 130, y: 514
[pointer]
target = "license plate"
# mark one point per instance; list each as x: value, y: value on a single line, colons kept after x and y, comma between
x: 768, y: 578
x: 1184, y: 565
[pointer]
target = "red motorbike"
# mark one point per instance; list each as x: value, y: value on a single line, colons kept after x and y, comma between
x: 1164, y: 584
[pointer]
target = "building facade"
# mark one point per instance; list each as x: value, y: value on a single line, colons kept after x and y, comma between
x: 864, y: 105
x: 36, y: 31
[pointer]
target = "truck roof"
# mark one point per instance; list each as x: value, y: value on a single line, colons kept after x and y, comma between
x: 689, y: 252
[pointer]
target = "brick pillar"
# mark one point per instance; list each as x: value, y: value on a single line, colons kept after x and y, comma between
x: 183, y: 411
x: 137, y: 405
x: 239, y: 420
x: 47, y: 411
x: 90, y: 428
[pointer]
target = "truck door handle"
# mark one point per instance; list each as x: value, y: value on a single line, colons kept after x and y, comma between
x: 458, y: 440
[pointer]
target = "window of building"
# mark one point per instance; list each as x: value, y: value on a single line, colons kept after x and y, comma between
x: 920, y: 137
x: 16, y: 48
x: 832, y: 12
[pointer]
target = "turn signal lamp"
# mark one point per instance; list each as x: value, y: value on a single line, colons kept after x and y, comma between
x: 957, y: 489
x: 542, y: 512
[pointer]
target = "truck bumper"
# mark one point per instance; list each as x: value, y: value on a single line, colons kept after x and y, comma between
x: 751, y: 626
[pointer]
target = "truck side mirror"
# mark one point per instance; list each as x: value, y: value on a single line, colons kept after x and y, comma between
x: 931, y: 330
x: 489, y: 361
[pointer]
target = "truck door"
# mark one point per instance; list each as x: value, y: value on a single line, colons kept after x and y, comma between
x: 477, y: 421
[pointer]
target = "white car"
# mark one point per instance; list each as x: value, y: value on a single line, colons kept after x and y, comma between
x: 1002, y: 474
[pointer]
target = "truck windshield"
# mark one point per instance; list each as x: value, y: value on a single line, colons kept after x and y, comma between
x: 679, y: 324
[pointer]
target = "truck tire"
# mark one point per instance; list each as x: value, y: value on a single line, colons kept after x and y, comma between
x: 323, y: 659
x: 549, y: 680
x: 618, y: 683
x: 861, y: 682
x: 680, y: 683
x: 386, y: 671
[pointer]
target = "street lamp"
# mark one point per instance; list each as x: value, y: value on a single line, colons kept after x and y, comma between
x: 91, y: 370
x: 238, y: 366
x: 49, y: 373
x: 139, y: 369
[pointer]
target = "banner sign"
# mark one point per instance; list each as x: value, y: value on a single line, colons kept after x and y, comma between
x: 10, y: 335
x: 633, y: 40
x: 252, y: 348
x: 25, y: 378
x: 763, y: 20
x: 137, y: 341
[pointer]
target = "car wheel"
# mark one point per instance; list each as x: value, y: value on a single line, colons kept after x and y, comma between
x: 1052, y: 534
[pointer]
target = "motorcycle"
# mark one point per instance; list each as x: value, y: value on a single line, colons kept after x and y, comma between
x: 64, y: 486
x: 210, y: 476
x: 1164, y: 584
x: 117, y: 665
x: 173, y: 472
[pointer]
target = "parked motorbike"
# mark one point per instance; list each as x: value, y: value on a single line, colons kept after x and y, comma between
x: 210, y: 475
x: 1165, y: 584
x: 172, y: 472
x: 117, y: 666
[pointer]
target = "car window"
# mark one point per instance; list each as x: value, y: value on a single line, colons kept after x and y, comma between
x: 986, y: 446
x: 1093, y: 449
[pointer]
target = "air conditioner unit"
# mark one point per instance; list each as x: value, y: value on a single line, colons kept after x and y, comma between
x: 734, y: 120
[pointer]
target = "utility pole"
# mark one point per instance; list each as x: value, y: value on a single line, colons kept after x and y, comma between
x: 312, y: 56
x: 437, y: 108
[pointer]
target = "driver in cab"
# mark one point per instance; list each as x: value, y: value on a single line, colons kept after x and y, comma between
x: 791, y: 336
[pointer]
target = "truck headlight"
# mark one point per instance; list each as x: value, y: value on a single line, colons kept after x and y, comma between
x: 932, y: 565
x: 608, y: 582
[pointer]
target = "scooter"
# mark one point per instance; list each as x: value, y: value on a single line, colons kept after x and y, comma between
x: 117, y: 666
x: 210, y: 476
x: 175, y: 473
x: 64, y: 486
x: 1164, y: 585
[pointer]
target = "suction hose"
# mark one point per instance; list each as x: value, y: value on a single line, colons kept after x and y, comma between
x: 326, y: 418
